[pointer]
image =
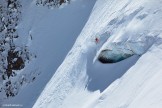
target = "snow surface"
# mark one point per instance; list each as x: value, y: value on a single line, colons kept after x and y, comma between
x: 123, y: 27
x: 53, y: 33
x: 126, y: 25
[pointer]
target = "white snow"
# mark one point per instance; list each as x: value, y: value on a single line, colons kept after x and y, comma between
x: 81, y: 81
x: 53, y: 32
x: 132, y: 25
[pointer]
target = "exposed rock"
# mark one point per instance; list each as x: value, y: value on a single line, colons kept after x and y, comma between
x: 51, y: 3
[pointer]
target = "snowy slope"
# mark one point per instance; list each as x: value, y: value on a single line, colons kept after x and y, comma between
x: 49, y: 34
x: 131, y: 27
x: 129, y: 34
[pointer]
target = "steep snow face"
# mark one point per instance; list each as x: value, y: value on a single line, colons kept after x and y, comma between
x: 125, y: 28
x: 139, y: 87
x: 48, y: 33
x: 136, y: 27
